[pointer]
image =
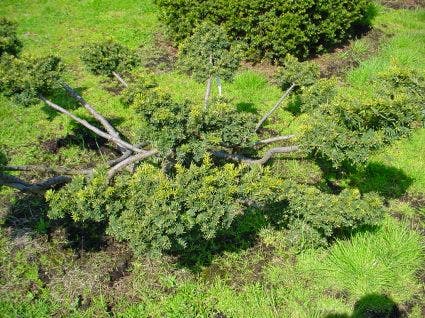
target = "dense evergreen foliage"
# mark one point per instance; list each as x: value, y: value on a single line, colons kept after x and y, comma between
x: 9, y: 42
x: 209, y: 53
x: 185, y: 132
x: 271, y: 29
x: 107, y: 57
x: 348, y: 129
x: 188, y: 190
x: 24, y: 79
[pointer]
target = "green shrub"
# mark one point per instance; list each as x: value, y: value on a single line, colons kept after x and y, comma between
x: 193, y: 199
x: 271, y: 29
x: 26, y: 78
x: 107, y: 57
x: 314, y: 217
x: 208, y: 53
x: 302, y: 74
x: 186, y: 131
x: 156, y: 213
x: 9, y: 42
x: 348, y: 129
x: 321, y: 92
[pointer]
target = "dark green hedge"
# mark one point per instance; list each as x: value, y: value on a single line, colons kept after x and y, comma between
x: 272, y: 28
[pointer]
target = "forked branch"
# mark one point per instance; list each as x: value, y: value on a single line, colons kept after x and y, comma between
x: 94, y: 129
x: 130, y: 160
x: 108, y: 127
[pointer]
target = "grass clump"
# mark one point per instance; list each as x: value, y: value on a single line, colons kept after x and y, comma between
x: 383, y: 262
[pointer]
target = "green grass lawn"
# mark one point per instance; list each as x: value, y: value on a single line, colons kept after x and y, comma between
x: 377, y: 268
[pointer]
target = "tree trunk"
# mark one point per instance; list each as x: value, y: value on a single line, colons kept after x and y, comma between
x: 35, y: 188
x: 207, y: 92
x: 130, y: 160
x: 274, y: 139
x: 108, y: 127
x: 220, y: 87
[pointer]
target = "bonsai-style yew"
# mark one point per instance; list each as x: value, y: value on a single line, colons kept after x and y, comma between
x: 203, y: 167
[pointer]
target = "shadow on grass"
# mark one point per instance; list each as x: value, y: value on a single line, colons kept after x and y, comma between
x: 247, y: 108
x: 27, y: 216
x: 390, y: 182
x: 242, y: 235
x: 373, y: 306
x: 294, y: 105
x: 387, y: 181
x: 61, y: 98
x: 3, y: 158
x: 83, y: 138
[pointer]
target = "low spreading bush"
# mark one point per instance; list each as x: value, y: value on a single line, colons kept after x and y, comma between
x: 314, y: 217
x: 155, y: 213
x: 347, y: 127
x: 107, y: 57
x: 271, y: 29
x: 24, y: 79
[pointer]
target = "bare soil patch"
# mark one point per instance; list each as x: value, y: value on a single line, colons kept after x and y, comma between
x: 403, y: 4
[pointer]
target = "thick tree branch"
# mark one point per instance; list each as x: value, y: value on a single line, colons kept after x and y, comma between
x: 64, y: 171
x: 108, y: 127
x: 120, y: 79
x: 274, y: 139
x: 45, y: 169
x: 124, y: 156
x: 250, y: 161
x: 36, y: 188
x: 94, y: 129
x: 130, y: 160
x: 275, y: 107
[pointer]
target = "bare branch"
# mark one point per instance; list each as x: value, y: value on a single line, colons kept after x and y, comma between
x: 274, y: 139
x: 36, y: 188
x: 250, y: 161
x: 45, y: 169
x: 207, y: 92
x: 275, y: 107
x: 120, y: 79
x: 137, y: 157
x: 94, y: 129
x: 108, y: 127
